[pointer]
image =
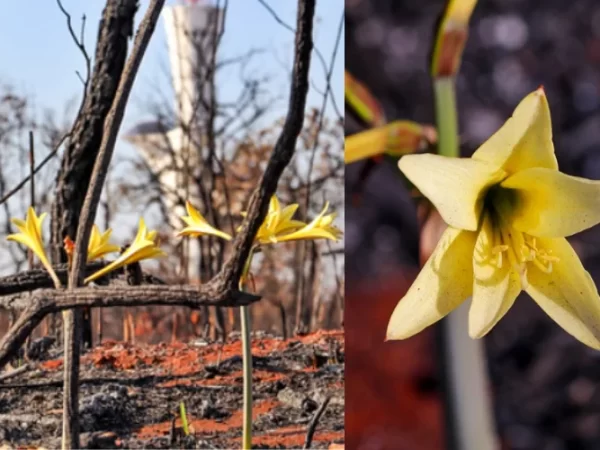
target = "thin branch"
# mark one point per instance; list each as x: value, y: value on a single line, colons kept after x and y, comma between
x: 23, y: 182
x: 314, y: 422
x: 46, y: 301
x: 79, y: 43
x: 111, y: 129
x: 39, y: 278
x: 283, y: 151
x: 320, y: 56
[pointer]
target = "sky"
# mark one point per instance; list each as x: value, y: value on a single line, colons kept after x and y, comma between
x: 40, y: 60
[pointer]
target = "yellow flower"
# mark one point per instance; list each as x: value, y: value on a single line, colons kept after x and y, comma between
x: 97, y: 247
x: 278, y: 222
x: 144, y: 246
x: 509, y: 210
x: 198, y: 226
x: 30, y: 235
x: 278, y: 226
x: 321, y: 227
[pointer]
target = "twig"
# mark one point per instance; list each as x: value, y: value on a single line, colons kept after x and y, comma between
x: 79, y: 43
x: 310, y: 431
x: 32, y: 205
x: 320, y: 56
x: 282, y: 153
x: 14, y: 373
x: 24, y: 181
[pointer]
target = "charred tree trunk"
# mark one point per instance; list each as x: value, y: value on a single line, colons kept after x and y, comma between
x: 80, y: 153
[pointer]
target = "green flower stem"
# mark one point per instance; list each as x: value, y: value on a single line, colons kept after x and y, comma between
x: 246, y: 362
x: 468, y: 408
x: 446, y: 116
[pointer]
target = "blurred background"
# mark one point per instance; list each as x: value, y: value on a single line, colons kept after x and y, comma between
x: 544, y: 383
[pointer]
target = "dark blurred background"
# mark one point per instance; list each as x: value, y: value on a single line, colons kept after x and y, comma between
x: 545, y: 383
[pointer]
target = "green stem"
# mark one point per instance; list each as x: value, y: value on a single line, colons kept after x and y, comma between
x: 468, y: 412
x: 246, y: 362
x: 446, y: 116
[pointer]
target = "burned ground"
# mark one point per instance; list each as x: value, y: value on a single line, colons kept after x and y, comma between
x: 130, y: 395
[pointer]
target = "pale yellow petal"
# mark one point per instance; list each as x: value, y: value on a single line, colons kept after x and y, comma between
x: 525, y: 140
x: 549, y: 203
x: 567, y: 294
x: 495, y: 287
x: 456, y: 186
x: 445, y: 281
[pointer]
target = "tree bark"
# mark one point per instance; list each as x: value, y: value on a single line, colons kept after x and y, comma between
x: 116, y: 27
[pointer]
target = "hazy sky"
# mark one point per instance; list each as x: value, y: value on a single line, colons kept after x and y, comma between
x: 39, y: 58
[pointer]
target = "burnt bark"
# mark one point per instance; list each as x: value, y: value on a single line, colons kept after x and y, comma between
x: 116, y: 27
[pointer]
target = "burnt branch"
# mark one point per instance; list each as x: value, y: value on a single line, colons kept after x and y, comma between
x: 116, y: 27
x: 46, y: 301
x: 283, y: 151
x: 38, y: 278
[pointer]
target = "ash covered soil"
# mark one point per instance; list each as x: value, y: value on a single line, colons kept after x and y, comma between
x: 130, y: 395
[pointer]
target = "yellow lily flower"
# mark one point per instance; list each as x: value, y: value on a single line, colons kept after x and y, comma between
x: 144, y: 246
x: 98, y: 246
x: 198, y: 226
x: 509, y: 210
x: 278, y: 222
x: 278, y: 226
x: 30, y: 235
x: 321, y: 227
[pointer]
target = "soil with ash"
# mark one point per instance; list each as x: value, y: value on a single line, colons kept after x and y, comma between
x: 130, y: 395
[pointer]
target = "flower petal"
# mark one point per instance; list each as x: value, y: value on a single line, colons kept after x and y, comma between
x: 445, y: 281
x: 454, y: 185
x: 549, y: 203
x: 567, y: 294
x: 525, y: 140
x: 495, y: 287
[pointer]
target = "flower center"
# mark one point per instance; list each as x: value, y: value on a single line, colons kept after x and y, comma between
x: 518, y: 247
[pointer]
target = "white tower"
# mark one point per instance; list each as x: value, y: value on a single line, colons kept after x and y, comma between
x: 169, y: 149
x: 191, y: 29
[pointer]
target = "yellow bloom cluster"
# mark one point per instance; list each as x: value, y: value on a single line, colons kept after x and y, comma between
x: 278, y: 226
x: 30, y: 235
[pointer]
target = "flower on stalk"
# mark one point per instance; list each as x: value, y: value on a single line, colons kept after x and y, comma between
x: 30, y: 235
x: 98, y: 246
x: 278, y: 222
x: 278, y: 226
x: 198, y: 226
x: 321, y: 227
x: 509, y: 210
x: 144, y: 246
x: 451, y: 38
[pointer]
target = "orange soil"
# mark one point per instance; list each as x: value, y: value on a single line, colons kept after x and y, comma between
x: 291, y: 436
x: 184, y: 360
x: 207, y: 425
